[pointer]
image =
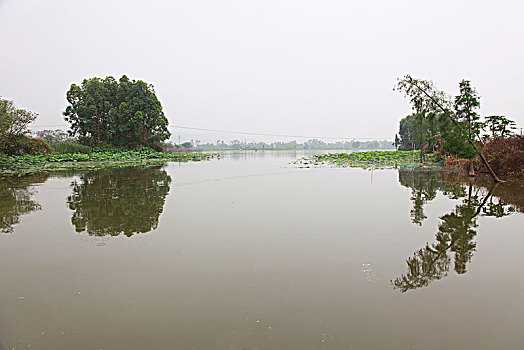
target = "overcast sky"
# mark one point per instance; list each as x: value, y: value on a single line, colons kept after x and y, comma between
x: 300, y: 67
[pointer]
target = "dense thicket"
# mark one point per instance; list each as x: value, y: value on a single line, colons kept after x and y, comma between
x: 505, y: 155
x: 124, y: 113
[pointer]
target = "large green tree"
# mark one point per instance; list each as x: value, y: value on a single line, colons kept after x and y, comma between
x: 467, y: 103
x: 466, y: 106
x: 124, y: 113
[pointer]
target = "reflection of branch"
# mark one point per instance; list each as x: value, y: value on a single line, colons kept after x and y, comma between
x: 432, y: 262
x: 490, y: 193
x: 423, y: 269
x: 17, y: 200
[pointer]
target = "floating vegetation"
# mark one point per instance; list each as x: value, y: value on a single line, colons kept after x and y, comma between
x: 31, y: 164
x: 371, y: 159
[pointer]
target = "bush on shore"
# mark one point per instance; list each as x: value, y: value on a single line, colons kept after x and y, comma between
x: 504, y: 155
x: 66, y: 147
x: 22, y: 144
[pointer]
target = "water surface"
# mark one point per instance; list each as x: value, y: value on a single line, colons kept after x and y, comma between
x: 251, y: 252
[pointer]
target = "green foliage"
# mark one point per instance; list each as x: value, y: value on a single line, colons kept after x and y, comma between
x: 407, y: 132
x: 22, y: 144
x: 428, y: 105
x: 29, y: 164
x: 423, y: 95
x: 375, y: 159
x: 466, y: 105
x: 499, y: 126
x: 69, y: 147
x: 124, y: 113
x: 454, y: 141
x: 13, y: 124
x: 438, y: 124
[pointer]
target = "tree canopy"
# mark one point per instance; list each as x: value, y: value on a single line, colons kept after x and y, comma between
x: 123, y: 113
x: 499, y: 126
x: 13, y: 121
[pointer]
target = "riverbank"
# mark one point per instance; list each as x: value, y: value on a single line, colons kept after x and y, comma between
x: 33, y: 164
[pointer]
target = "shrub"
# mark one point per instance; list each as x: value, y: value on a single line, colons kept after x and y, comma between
x: 70, y: 147
x: 455, y: 163
x: 156, y: 147
x: 22, y: 144
x: 504, y: 155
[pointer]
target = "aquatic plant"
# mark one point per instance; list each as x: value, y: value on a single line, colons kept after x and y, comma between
x: 30, y: 164
x: 372, y: 159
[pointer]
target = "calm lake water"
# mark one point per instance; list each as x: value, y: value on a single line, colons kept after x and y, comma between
x: 252, y: 252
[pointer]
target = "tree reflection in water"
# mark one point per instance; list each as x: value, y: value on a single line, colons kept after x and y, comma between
x: 454, y: 239
x: 15, y: 200
x: 119, y: 201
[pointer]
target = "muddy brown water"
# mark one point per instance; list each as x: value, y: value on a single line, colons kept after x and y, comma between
x: 251, y: 252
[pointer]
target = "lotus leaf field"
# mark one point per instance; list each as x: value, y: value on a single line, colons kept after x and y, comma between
x: 31, y: 164
x: 371, y: 159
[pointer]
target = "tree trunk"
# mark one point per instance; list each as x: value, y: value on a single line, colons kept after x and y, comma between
x: 421, y: 139
x: 471, y: 172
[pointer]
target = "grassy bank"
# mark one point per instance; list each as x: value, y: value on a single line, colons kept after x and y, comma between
x: 372, y: 159
x: 31, y: 164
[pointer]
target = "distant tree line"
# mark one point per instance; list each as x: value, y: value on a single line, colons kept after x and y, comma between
x: 310, y: 144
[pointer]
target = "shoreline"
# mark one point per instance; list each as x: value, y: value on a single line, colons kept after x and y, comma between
x: 19, y: 166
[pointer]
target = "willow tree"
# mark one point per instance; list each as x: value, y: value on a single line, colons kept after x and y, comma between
x: 423, y: 104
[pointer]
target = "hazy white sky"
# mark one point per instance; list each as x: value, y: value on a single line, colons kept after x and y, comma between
x: 300, y: 67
